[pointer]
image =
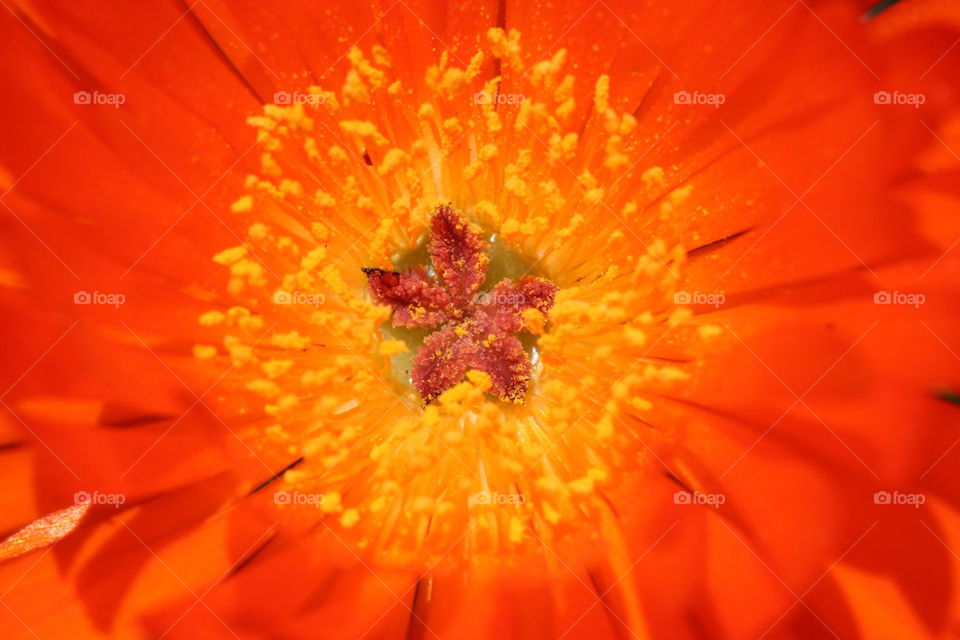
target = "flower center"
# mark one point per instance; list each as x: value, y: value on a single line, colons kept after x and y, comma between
x: 463, y: 327
x: 318, y: 311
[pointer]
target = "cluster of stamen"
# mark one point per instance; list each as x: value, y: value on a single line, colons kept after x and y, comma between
x: 338, y: 200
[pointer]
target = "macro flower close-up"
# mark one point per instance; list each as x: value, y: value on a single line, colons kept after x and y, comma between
x: 433, y: 319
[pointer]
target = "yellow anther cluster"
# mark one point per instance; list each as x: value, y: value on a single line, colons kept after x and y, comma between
x: 348, y: 179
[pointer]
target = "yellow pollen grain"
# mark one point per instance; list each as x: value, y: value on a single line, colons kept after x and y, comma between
x: 381, y: 56
x: 487, y: 152
x: 393, y: 160
x: 276, y: 368
x: 517, y: 187
x: 393, y: 347
x: 363, y: 129
x: 349, y: 518
x: 261, y: 122
x: 331, y: 503
x: 635, y: 337
x: 269, y: 166
x: 533, y: 320
x: 604, y: 428
x: 564, y: 110
x: 515, y: 534
x: 242, y: 204
x: 354, y: 89
x: 212, y: 318
x: 615, y: 159
x: 291, y: 188
x: 480, y: 379
x: 679, y: 316
x: 290, y: 340
x: 598, y: 475
x: 431, y: 416
x: 494, y: 125
x: 506, y: 45
x: 581, y: 486
x: 230, y: 256
x: 473, y: 69
x: 601, y: 94
x: 452, y: 82
x: 265, y: 388
x: 680, y: 194
x: 250, y: 323
x: 593, y: 196
x: 488, y: 211
x: 313, y: 259
x: 258, y: 231
x: 653, y: 177
x: 472, y: 170
x: 708, y: 331
x: 452, y: 126
x: 204, y: 351
x: 285, y: 403
x: 324, y: 199
x: 320, y: 231
x: 337, y: 155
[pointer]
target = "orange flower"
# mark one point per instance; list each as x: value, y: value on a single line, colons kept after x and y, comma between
x: 480, y: 320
